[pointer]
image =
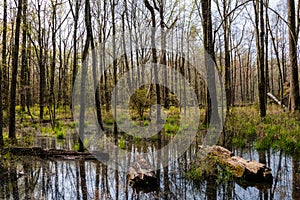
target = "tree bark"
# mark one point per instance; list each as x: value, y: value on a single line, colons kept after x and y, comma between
x: 3, y: 65
x: 24, y: 58
x: 41, y: 64
x: 293, y: 40
x: 15, y: 62
x: 84, y: 74
x: 212, y: 102
x: 53, y: 63
x: 154, y: 59
x: 260, y: 34
x: 75, y: 16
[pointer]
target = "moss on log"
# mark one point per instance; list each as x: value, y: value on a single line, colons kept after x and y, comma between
x: 240, y: 168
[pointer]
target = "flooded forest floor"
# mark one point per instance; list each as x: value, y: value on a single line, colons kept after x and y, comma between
x: 274, y: 141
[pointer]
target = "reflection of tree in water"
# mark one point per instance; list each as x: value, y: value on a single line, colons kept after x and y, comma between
x: 32, y: 178
x: 296, y: 177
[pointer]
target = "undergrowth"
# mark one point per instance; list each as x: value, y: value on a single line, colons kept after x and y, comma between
x: 279, y: 130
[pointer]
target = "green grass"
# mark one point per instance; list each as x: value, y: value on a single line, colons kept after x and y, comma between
x: 278, y: 130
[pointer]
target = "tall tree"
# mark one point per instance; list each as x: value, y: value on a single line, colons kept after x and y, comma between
x: 41, y: 63
x: 2, y: 66
x: 154, y: 55
x: 260, y: 41
x: 209, y: 62
x: 293, y: 40
x: 53, y: 62
x: 163, y: 48
x: 113, y: 5
x: 24, y: 57
x: 15, y: 63
x: 75, y: 17
x: 84, y: 70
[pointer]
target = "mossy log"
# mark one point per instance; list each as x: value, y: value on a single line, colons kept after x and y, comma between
x: 239, y: 167
x: 141, y: 174
x: 52, y: 153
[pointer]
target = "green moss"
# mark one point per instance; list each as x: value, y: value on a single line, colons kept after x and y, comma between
x: 121, y: 143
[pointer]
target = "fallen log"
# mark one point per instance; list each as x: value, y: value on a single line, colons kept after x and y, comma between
x: 270, y: 95
x: 141, y: 174
x: 240, y: 168
x: 52, y: 153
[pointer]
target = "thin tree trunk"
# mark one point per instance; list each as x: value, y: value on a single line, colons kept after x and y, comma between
x: 76, y: 16
x: 15, y: 60
x: 53, y: 63
x: 24, y: 58
x: 163, y: 48
x: 154, y: 60
x: 4, y: 83
x: 113, y: 4
x: 3, y: 65
x: 227, y: 57
x: 277, y: 59
x: 260, y: 33
x: 41, y: 64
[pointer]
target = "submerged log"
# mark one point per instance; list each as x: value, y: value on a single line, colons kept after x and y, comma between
x: 252, y: 171
x: 52, y: 153
x: 141, y: 174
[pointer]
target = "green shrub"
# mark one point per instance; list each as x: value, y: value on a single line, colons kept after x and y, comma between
x: 60, y: 135
x: 170, y: 128
x: 146, y: 123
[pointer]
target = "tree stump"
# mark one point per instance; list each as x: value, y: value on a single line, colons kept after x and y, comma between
x: 141, y: 174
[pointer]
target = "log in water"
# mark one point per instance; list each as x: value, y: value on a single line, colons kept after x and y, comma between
x: 239, y: 167
x: 141, y: 174
x: 52, y: 153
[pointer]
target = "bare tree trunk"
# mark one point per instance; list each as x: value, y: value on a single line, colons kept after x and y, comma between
x: 163, y: 48
x: 267, y: 52
x: 53, y: 63
x: 154, y: 58
x: 293, y: 39
x: 125, y: 52
x: 209, y: 61
x: 15, y: 60
x: 3, y: 65
x: 24, y: 58
x: 113, y: 4
x: 227, y: 56
x: 75, y: 16
x: 84, y: 74
x: 41, y: 64
x: 95, y: 77
x: 5, y: 71
x: 277, y: 59
x: 260, y: 34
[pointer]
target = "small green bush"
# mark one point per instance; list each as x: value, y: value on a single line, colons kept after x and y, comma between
x: 170, y: 128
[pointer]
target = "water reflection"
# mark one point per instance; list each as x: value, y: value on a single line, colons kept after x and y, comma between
x: 33, y: 178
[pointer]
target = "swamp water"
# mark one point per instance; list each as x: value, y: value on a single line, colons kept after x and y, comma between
x: 34, y: 178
